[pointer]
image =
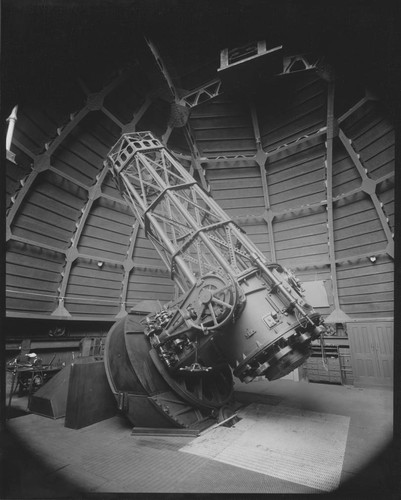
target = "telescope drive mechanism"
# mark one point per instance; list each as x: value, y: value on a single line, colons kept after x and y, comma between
x: 237, y: 314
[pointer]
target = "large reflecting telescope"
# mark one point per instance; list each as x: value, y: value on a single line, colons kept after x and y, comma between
x: 236, y: 314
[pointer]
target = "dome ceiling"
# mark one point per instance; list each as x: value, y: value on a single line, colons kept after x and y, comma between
x: 305, y: 164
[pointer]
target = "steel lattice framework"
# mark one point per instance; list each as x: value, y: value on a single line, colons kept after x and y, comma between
x: 191, y: 233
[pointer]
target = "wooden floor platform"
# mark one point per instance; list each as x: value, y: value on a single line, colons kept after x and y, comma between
x: 44, y: 459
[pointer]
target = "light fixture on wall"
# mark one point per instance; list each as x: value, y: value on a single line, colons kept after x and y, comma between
x: 373, y: 259
x: 100, y: 264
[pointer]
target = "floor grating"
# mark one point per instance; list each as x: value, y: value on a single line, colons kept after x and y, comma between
x: 301, y: 446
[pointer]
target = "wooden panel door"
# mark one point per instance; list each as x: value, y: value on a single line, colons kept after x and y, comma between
x: 385, y: 351
x: 372, y: 353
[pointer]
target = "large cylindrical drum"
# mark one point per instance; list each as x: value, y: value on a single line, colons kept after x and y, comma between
x: 267, y: 339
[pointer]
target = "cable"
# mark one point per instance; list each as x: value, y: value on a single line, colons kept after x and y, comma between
x: 323, y: 350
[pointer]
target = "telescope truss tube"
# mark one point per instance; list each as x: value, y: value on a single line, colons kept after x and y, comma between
x: 236, y: 308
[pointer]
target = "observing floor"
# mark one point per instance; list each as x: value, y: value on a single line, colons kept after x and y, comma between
x: 342, y: 426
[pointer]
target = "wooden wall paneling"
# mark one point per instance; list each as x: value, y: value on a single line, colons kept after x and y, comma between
x: 233, y: 178
x: 27, y: 138
x: 31, y: 277
x: 44, y: 221
x: 299, y: 109
x: 97, y: 256
x: 105, y: 253
x: 223, y: 161
x: 69, y: 159
x: 41, y: 198
x: 44, y: 246
x: 297, y: 176
x: 40, y: 230
x: 248, y: 197
x: 369, y: 186
x: 128, y: 267
x: 30, y: 282
x: 94, y: 137
x: 40, y: 164
x: 99, y: 245
x: 346, y: 177
x: 258, y: 234
x: 304, y: 126
x: 68, y: 177
x: 372, y: 136
x: 57, y: 196
x: 366, y: 289
x: 115, y: 199
x: 110, y: 242
x: 227, y: 147
x: 222, y: 127
x: 302, y: 246
x: 104, y: 130
x: 298, y: 141
x: 58, y: 189
x: 93, y: 290
x: 72, y: 252
x: 299, y: 255
x: 149, y: 284
x: 110, y: 220
x: 366, y: 239
x: 301, y: 237
x: 144, y: 252
x: 87, y: 149
x: 237, y: 189
x: 379, y: 157
x: 24, y: 267
x: 220, y: 132
x: 261, y: 160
